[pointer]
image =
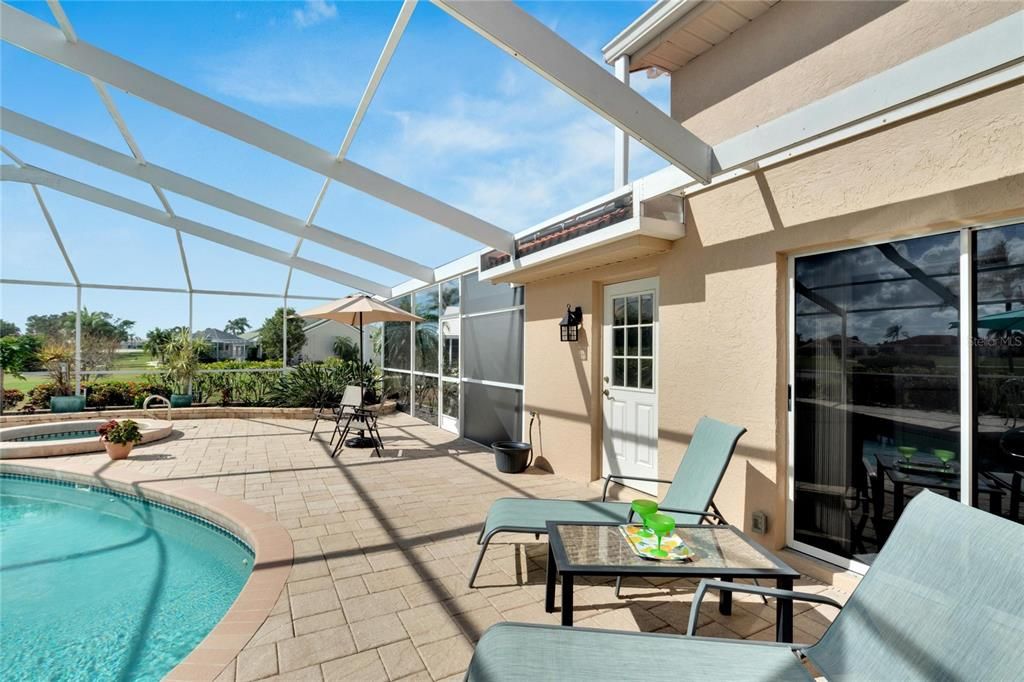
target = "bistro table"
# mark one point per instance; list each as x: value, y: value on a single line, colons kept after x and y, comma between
x: 920, y: 471
x: 599, y: 549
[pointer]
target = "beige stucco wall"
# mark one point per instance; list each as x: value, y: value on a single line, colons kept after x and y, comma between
x: 723, y: 287
x: 800, y: 51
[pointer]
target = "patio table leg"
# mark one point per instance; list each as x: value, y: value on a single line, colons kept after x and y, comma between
x: 784, y: 613
x: 725, y: 600
x: 566, y: 600
x: 549, y: 582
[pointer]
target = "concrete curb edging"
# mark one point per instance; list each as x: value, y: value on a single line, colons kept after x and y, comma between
x: 270, y: 541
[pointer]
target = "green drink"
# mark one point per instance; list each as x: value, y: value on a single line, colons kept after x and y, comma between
x: 944, y: 456
x: 662, y: 525
x: 644, y: 509
x: 907, y: 452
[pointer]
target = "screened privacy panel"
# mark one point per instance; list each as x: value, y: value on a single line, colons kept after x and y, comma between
x: 479, y: 297
x: 491, y: 413
x: 450, y: 297
x: 492, y: 347
x: 426, y: 331
x: 426, y: 398
x: 396, y: 387
x: 396, y: 345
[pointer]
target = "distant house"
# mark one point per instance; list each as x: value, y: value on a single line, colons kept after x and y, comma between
x: 320, y: 337
x: 223, y: 345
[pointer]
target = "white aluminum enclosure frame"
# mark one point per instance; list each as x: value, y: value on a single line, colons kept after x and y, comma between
x: 988, y: 59
x: 538, y: 47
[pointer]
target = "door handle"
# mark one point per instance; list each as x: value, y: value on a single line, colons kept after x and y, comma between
x: 607, y: 393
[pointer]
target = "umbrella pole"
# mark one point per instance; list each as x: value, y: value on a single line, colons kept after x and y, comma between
x: 362, y: 379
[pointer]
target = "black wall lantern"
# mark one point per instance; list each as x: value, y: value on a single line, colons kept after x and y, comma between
x: 570, y: 324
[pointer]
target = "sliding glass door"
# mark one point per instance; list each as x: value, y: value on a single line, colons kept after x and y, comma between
x: 876, y: 392
x: 883, y: 384
x: 998, y: 359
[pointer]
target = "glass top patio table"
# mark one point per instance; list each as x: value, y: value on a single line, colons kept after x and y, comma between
x: 721, y: 551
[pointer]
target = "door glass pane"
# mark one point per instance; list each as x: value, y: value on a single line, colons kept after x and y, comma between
x: 618, y: 372
x: 618, y: 311
x: 646, y: 374
x: 631, y: 341
x: 631, y: 376
x: 632, y: 310
x: 876, y: 398
x: 618, y: 342
x: 647, y: 309
x: 998, y: 345
x: 646, y: 341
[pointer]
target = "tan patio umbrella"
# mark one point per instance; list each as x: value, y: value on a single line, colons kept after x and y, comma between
x: 357, y: 310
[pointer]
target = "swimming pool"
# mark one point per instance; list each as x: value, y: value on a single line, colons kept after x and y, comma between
x: 98, y: 585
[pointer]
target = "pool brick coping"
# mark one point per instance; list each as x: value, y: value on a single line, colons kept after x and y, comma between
x: 270, y: 541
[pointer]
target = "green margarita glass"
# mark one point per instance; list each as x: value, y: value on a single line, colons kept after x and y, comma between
x: 662, y: 525
x: 944, y: 456
x: 907, y: 452
x: 644, y: 509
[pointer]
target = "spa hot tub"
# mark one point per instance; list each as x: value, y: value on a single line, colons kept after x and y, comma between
x: 68, y: 437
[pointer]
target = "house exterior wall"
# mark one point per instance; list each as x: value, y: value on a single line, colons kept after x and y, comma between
x: 798, y: 52
x: 723, y: 287
x: 320, y: 340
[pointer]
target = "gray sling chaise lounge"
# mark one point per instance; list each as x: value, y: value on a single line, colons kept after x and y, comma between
x: 689, y: 496
x: 944, y: 600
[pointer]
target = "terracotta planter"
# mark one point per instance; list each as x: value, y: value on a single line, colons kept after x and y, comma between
x: 118, y: 450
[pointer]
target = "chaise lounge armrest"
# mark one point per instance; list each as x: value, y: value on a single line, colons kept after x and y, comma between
x: 618, y: 478
x: 710, y: 514
x: 724, y: 586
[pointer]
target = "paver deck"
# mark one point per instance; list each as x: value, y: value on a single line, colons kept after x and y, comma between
x: 383, y: 548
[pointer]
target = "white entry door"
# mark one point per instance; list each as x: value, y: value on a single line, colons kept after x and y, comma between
x: 629, y: 380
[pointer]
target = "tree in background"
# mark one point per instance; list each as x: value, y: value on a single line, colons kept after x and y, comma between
x: 18, y: 354
x: 9, y: 328
x: 102, y: 334
x: 156, y: 342
x: 272, y: 329
x: 346, y: 349
x: 238, y: 326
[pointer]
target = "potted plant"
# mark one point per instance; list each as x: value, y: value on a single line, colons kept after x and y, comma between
x: 119, y: 437
x: 59, y: 359
x: 181, y: 357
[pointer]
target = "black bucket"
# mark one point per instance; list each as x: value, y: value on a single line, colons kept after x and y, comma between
x: 511, y: 456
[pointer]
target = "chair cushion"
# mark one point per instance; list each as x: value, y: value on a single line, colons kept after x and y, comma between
x: 530, y: 515
x: 516, y: 651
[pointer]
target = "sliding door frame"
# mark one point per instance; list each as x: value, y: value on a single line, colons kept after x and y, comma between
x: 966, y: 322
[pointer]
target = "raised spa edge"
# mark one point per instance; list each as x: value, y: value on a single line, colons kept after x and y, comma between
x: 11, y: 448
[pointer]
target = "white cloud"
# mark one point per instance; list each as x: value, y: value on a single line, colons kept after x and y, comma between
x: 270, y: 74
x: 314, y: 12
x: 513, y: 158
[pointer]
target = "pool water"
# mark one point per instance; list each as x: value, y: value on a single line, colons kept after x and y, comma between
x: 60, y: 435
x: 96, y: 585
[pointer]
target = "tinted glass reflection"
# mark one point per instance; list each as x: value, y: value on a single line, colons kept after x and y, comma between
x: 876, y: 397
x: 998, y: 350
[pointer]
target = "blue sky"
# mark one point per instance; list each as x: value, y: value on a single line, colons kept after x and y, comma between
x: 454, y: 117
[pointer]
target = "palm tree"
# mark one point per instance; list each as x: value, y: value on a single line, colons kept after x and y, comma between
x: 237, y: 326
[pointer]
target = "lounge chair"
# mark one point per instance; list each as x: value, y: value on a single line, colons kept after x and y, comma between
x: 944, y: 600
x: 351, y: 398
x: 688, y: 498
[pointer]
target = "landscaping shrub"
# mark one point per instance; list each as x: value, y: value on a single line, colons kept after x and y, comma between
x: 39, y: 396
x: 121, y: 393
x: 12, y: 397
